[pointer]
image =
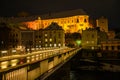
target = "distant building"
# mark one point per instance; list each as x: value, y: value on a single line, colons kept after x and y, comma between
x: 111, y: 34
x: 27, y: 39
x: 71, y: 20
x: 92, y: 37
x: 102, y: 22
x: 21, y: 37
x: 15, y: 38
x: 92, y: 22
x: 51, y: 36
x: 4, y: 36
x: 111, y: 45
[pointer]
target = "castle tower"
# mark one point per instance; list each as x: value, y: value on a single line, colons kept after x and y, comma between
x: 102, y: 22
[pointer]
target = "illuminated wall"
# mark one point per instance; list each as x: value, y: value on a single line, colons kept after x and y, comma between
x: 35, y: 25
x: 69, y: 24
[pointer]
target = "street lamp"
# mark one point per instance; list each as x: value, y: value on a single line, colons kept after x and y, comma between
x: 78, y: 42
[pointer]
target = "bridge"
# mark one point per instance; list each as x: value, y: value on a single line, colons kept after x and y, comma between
x: 30, y: 66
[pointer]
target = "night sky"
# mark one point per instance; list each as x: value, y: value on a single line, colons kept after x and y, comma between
x: 94, y: 8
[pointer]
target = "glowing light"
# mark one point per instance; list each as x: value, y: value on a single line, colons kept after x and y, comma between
x: 3, y: 51
x: 13, y: 51
x: 78, y: 42
x: 4, y: 64
x: 14, y: 62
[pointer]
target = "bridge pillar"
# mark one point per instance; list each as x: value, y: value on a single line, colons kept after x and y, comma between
x: 50, y: 63
x: 44, y: 66
x: 33, y: 71
x: 55, y: 60
x: 59, y: 59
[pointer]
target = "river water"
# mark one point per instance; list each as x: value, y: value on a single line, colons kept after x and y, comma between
x: 93, y: 75
x: 84, y: 73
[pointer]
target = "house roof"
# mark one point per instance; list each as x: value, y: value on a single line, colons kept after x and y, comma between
x: 53, y: 26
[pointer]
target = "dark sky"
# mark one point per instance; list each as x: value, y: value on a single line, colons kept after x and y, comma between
x: 94, y: 8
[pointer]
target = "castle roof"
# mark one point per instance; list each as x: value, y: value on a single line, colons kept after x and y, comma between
x: 63, y: 14
x: 53, y: 26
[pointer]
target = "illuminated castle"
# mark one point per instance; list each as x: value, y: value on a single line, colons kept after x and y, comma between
x: 71, y: 21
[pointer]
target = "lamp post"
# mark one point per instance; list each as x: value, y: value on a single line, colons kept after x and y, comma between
x: 78, y: 42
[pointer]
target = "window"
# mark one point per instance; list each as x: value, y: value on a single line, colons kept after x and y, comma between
x: 50, y: 45
x: 54, y: 45
x: 68, y: 21
x: 87, y: 41
x: 36, y: 46
x: 81, y: 24
x: 40, y: 46
x: 39, y: 41
x: 118, y: 47
x: 16, y: 35
x: 106, y: 47
x: 85, y: 20
x: 59, y: 44
x: 39, y: 36
x: 72, y: 21
x: 36, y: 36
x: 55, y: 39
x: 92, y: 35
x: 102, y: 22
x: 50, y: 39
x: 46, y: 45
x: 50, y: 33
x: 112, y: 47
x: 45, y: 35
x: 92, y: 41
x: 59, y: 35
x: 46, y: 40
x: 77, y: 20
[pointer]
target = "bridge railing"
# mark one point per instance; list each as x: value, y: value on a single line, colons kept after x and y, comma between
x: 20, y: 60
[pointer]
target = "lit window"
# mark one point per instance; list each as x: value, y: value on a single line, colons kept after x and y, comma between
x: 92, y: 48
x: 39, y: 41
x: 92, y: 41
x: 50, y: 45
x: 39, y: 45
x: 87, y: 42
x: 46, y: 45
x: 59, y: 44
x: 36, y: 45
x: 50, y: 40
x: 45, y: 34
x: 54, y: 45
x: 46, y: 40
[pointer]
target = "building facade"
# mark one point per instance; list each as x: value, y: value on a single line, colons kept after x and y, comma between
x: 111, y: 45
x: 4, y: 36
x: 111, y: 34
x: 71, y: 21
x: 51, y: 36
x: 92, y: 37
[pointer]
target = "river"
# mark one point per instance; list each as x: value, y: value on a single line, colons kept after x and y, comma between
x: 94, y: 75
x: 84, y: 73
